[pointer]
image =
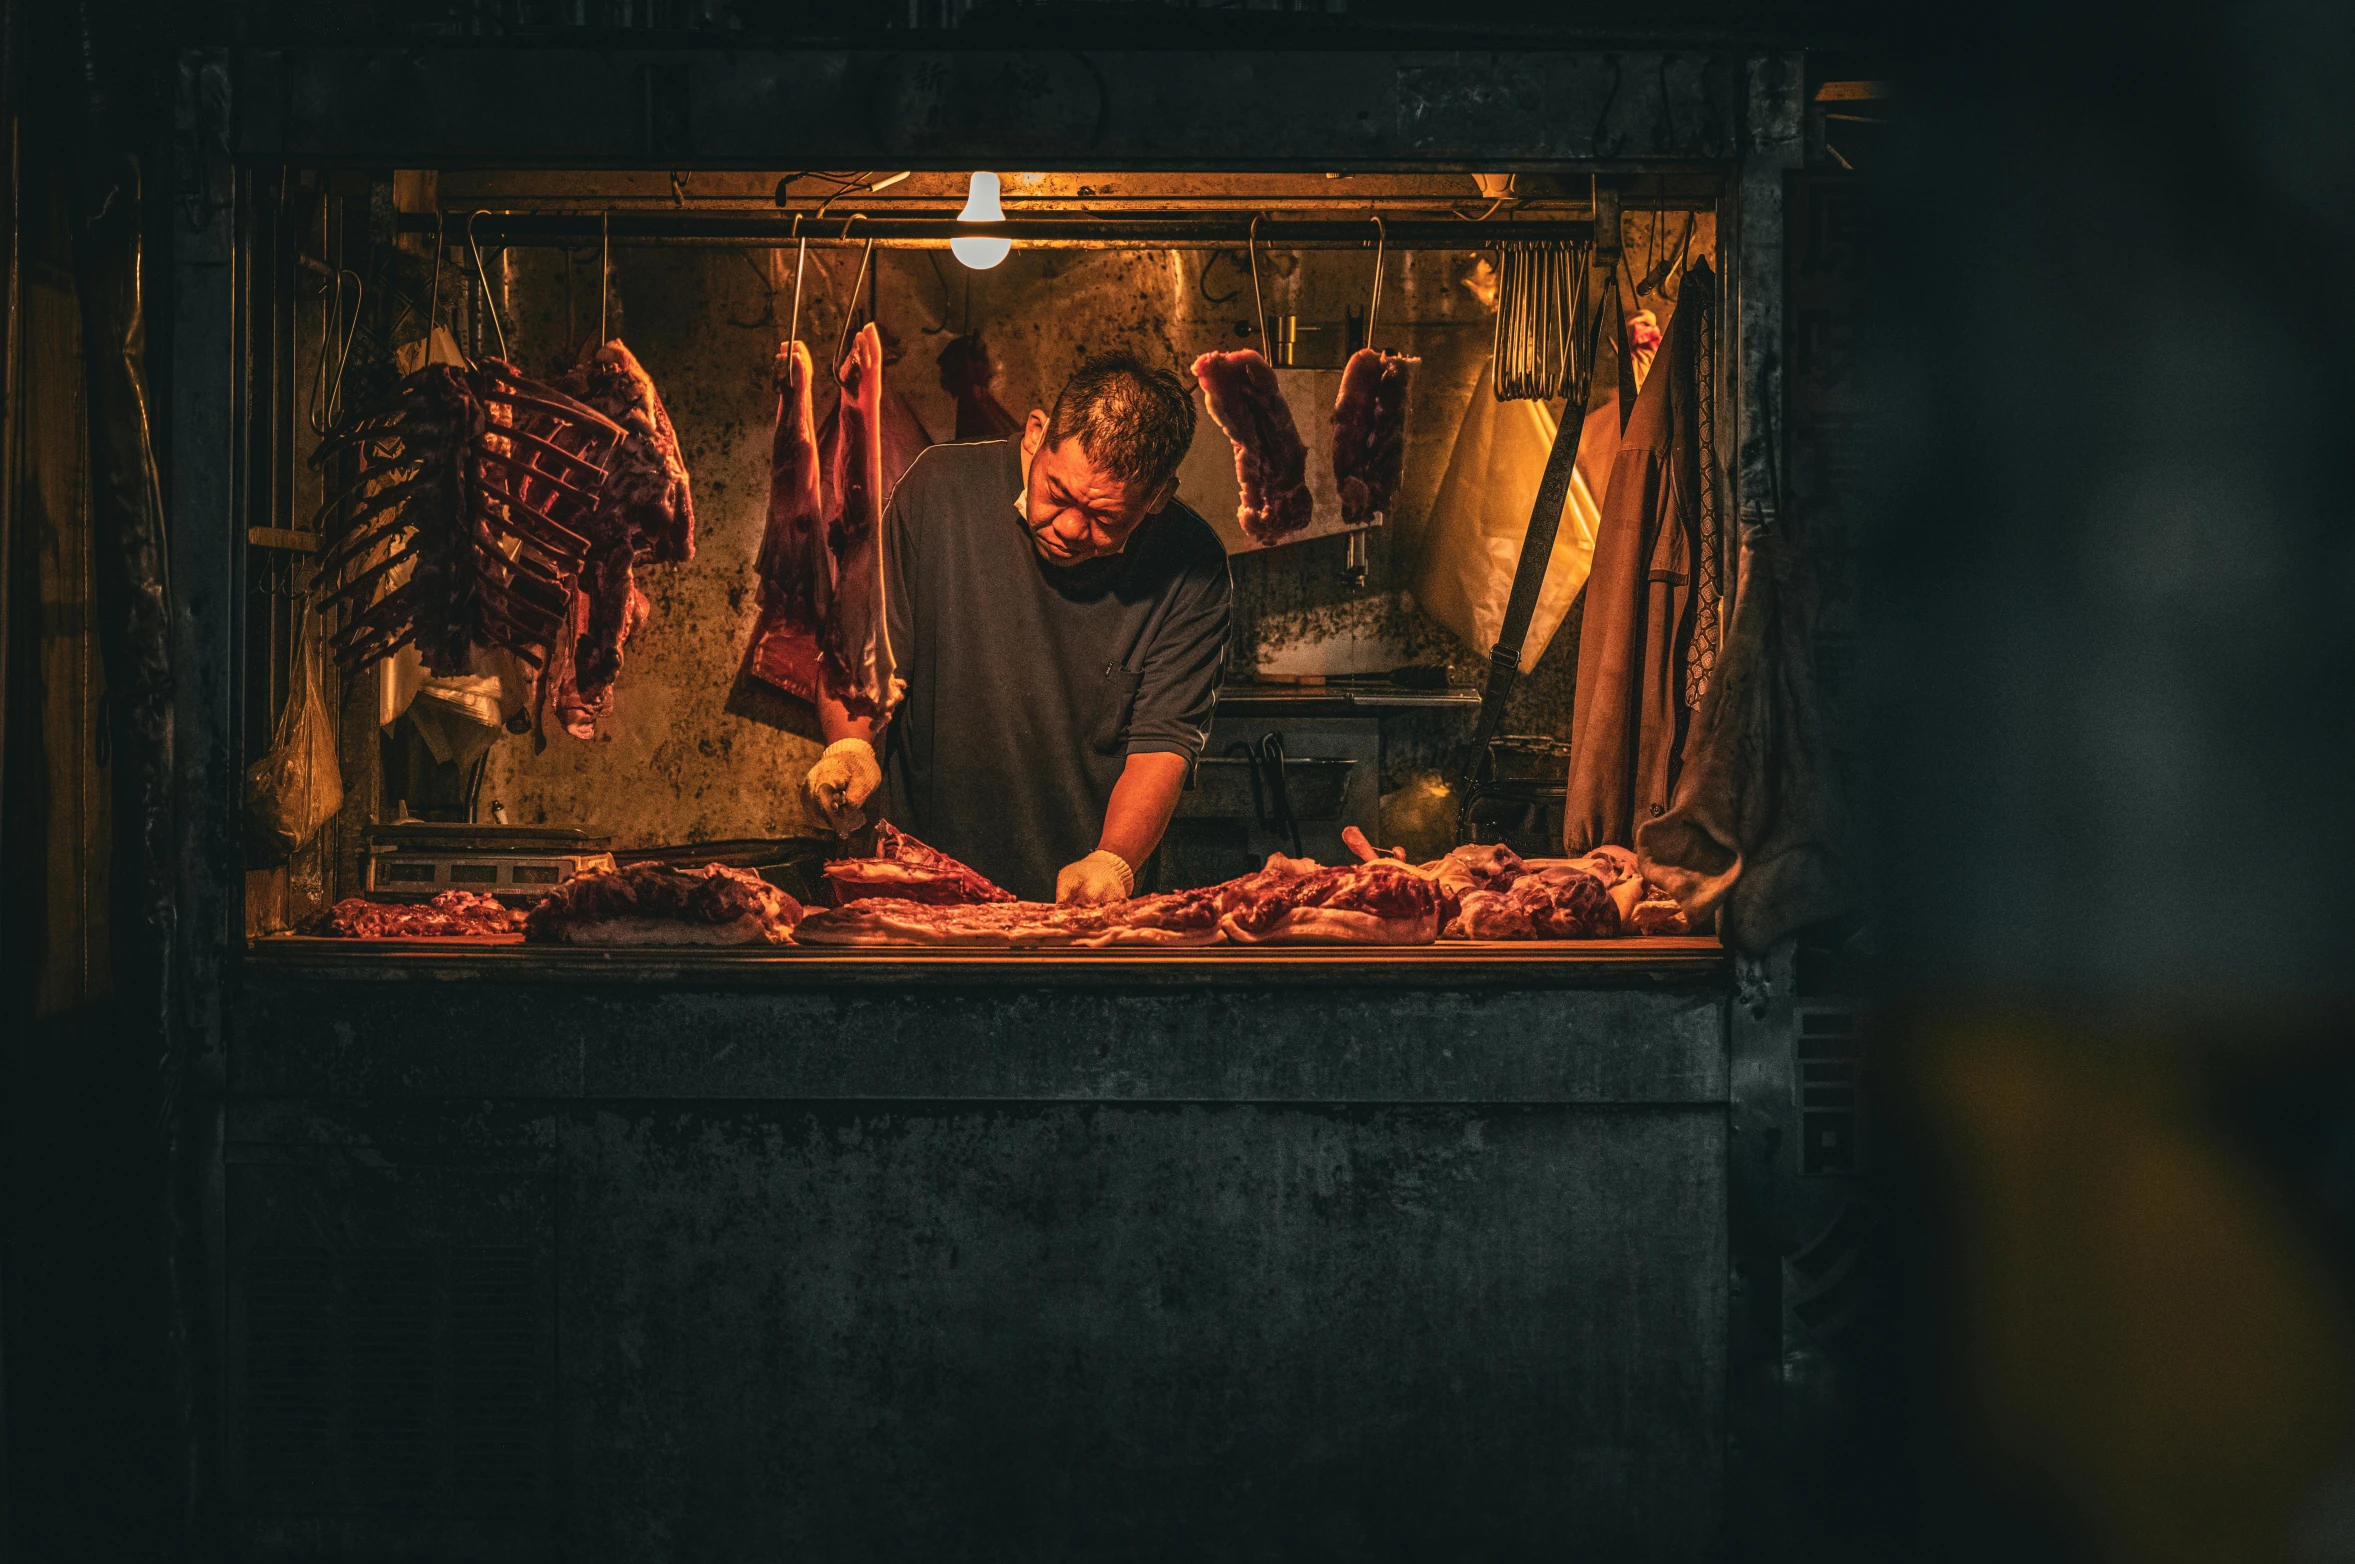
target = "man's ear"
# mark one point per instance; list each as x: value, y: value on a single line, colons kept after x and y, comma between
x: 1158, y: 501
x: 1034, y: 435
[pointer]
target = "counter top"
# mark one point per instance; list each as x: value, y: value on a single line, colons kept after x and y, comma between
x: 1568, y: 963
x: 1338, y: 700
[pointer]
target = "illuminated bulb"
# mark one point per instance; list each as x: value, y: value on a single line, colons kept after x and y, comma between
x: 981, y: 206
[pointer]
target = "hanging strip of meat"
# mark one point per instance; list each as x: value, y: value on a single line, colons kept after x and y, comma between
x: 854, y: 647
x: 1271, y: 462
x: 1369, y: 434
x: 796, y: 570
x: 904, y: 439
x: 966, y: 374
x: 646, y: 515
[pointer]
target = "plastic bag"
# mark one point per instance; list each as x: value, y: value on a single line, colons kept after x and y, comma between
x: 1471, y: 544
x: 298, y: 786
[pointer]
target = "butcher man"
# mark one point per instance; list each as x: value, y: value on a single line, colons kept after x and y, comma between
x: 1060, y: 622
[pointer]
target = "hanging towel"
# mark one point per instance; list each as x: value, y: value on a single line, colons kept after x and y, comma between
x: 1627, y: 726
x: 1753, y: 837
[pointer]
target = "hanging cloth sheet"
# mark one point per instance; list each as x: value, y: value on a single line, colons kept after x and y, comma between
x: 1630, y: 715
x: 1752, y: 841
x: 1472, y: 541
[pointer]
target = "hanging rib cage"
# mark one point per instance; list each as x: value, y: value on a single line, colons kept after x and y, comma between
x: 462, y: 525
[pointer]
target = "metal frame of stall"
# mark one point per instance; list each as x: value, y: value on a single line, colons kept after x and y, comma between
x: 1606, y: 112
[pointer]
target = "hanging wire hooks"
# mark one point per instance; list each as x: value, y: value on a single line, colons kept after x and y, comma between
x: 800, y: 258
x: 1251, y: 248
x: 433, y: 300
x: 1374, y: 304
x: 850, y: 311
x: 483, y: 277
x: 326, y: 404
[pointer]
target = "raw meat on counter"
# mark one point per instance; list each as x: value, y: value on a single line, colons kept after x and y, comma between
x: 1271, y: 461
x: 1174, y: 918
x: 645, y: 515
x: 1294, y: 901
x: 904, y: 869
x: 1488, y: 891
x: 450, y: 915
x: 1369, y: 434
x: 658, y: 904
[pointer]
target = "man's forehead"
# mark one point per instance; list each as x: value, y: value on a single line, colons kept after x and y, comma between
x: 1084, y: 480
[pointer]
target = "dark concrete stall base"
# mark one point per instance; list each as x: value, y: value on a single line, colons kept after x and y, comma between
x: 1301, y: 1255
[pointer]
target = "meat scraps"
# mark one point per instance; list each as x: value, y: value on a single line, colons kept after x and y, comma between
x: 464, y: 524
x: 795, y: 567
x: 1369, y: 434
x: 1174, y: 918
x: 854, y: 649
x: 1271, y: 462
x: 904, y: 869
x: 1378, y: 903
x: 659, y: 904
x: 966, y: 374
x: 645, y: 515
x: 450, y: 915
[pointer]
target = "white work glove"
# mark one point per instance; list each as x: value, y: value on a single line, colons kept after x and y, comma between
x: 842, y: 781
x: 1099, y: 877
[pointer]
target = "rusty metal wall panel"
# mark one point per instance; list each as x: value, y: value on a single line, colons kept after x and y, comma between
x: 1241, y: 109
x: 1180, y: 1332
x: 544, y: 1040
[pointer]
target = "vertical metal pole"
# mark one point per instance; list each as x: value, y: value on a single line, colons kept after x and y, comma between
x: 1762, y: 1146
x: 207, y: 541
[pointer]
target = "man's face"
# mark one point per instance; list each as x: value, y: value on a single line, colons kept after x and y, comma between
x: 1075, y: 510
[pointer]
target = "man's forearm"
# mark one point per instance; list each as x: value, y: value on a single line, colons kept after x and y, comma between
x: 1142, y: 801
x: 836, y: 723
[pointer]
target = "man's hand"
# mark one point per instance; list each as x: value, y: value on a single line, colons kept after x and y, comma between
x: 842, y: 781
x: 1099, y: 877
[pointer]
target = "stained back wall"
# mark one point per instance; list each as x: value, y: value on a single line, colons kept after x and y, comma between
x: 673, y: 763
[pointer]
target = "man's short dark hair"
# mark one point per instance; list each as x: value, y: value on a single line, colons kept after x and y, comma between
x: 1132, y: 420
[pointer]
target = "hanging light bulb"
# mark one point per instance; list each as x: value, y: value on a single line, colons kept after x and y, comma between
x: 980, y: 251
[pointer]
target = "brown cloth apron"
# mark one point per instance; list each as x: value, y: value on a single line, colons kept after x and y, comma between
x: 1627, y: 727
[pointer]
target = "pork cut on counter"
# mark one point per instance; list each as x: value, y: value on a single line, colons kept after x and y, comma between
x: 1369, y: 434
x: 1271, y: 461
x: 904, y: 869
x: 450, y: 915
x: 645, y: 515
x: 1171, y: 919
x: 1376, y: 903
x: 1487, y: 891
x: 659, y: 904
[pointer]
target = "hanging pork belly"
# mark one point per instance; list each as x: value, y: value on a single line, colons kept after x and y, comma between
x: 466, y: 526
x: 822, y: 589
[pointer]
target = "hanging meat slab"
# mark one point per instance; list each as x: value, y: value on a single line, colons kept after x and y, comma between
x: 1369, y: 434
x: 795, y: 567
x: 1271, y: 461
x: 646, y: 515
x: 854, y: 652
x: 466, y: 523
x: 967, y: 374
